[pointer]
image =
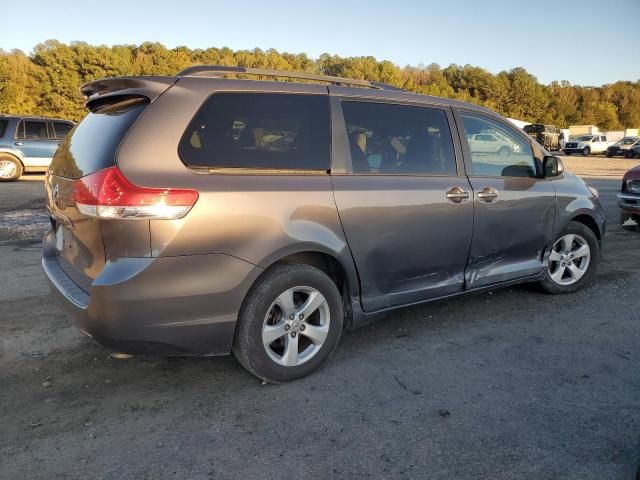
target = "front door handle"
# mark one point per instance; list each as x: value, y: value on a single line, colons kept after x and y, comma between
x: 488, y: 194
x: 19, y: 144
x: 457, y: 194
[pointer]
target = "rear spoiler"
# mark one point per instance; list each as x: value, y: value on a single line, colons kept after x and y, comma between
x: 149, y: 87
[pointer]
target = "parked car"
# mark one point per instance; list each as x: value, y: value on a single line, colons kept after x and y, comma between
x: 492, y: 143
x: 629, y: 197
x: 549, y: 136
x: 27, y: 144
x: 634, y: 152
x: 203, y: 215
x: 623, y: 147
x: 587, y: 144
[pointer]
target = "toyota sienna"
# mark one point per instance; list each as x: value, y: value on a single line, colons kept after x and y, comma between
x: 204, y: 215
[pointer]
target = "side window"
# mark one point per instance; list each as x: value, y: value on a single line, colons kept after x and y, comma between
x: 60, y: 129
x: 507, y: 156
x: 32, y: 130
x: 259, y: 130
x: 3, y: 127
x: 398, y: 139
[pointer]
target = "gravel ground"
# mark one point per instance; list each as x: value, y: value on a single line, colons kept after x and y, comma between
x: 502, y: 385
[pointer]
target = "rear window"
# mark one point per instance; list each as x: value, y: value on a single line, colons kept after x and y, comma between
x: 92, y: 144
x: 32, y: 130
x: 3, y: 127
x: 259, y: 131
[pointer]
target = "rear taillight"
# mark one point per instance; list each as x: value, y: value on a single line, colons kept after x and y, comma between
x: 108, y: 194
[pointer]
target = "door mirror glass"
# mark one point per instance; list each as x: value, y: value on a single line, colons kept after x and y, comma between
x: 552, y: 166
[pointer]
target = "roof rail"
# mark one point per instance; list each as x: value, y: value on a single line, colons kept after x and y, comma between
x: 219, y: 71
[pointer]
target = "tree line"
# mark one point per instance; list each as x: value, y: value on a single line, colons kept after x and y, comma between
x: 46, y: 81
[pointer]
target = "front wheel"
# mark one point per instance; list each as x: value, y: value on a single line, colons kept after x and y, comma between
x: 10, y: 168
x: 504, y: 151
x: 573, y: 260
x: 289, y: 324
x: 586, y: 151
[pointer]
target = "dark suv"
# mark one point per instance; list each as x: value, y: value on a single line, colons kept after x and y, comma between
x: 203, y: 215
x: 27, y: 144
x: 549, y: 136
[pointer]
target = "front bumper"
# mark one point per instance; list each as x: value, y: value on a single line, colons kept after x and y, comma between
x: 616, y: 151
x: 572, y: 150
x: 165, y: 305
x: 629, y: 202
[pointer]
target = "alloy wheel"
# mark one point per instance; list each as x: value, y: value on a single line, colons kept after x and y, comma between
x: 569, y: 259
x: 7, y: 169
x: 296, y: 326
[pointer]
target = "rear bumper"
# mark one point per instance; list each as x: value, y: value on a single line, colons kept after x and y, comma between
x: 166, y: 305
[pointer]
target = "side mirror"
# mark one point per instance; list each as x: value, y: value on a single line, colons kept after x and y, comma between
x: 552, y: 166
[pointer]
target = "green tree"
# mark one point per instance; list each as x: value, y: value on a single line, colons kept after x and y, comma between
x: 46, y: 82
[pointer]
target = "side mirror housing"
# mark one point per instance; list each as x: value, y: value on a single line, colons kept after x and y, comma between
x: 552, y: 166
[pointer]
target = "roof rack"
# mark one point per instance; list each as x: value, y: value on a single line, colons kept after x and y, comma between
x: 220, y: 71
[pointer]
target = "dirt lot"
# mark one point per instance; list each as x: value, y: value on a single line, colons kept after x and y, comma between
x: 502, y: 385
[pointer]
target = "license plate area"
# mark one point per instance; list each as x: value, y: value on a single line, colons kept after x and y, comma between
x: 59, y: 239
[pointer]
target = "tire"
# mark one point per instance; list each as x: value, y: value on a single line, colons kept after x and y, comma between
x: 568, y: 154
x: 10, y: 168
x: 628, y: 154
x: 609, y: 154
x: 504, y: 151
x: 555, y: 281
x: 586, y: 151
x: 263, y: 312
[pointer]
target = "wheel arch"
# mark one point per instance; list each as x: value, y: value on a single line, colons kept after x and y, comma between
x: 12, y: 153
x: 589, y: 222
x: 344, y: 276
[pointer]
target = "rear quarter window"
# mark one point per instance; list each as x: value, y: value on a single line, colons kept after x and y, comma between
x: 259, y: 131
x: 92, y: 144
x: 60, y: 129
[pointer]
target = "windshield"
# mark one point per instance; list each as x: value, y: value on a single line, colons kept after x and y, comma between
x: 627, y: 141
x: 584, y: 138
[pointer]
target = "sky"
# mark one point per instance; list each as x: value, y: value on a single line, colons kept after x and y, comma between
x: 584, y: 42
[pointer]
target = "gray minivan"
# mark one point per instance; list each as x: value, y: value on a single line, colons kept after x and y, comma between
x: 204, y: 215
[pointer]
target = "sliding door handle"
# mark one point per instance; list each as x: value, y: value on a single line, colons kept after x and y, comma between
x: 457, y: 194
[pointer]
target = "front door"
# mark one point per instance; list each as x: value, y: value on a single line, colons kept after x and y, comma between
x: 405, y: 211
x: 514, y: 208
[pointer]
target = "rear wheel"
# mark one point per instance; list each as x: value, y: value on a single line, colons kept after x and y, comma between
x: 586, y: 151
x: 289, y: 324
x: 573, y: 260
x: 10, y: 168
